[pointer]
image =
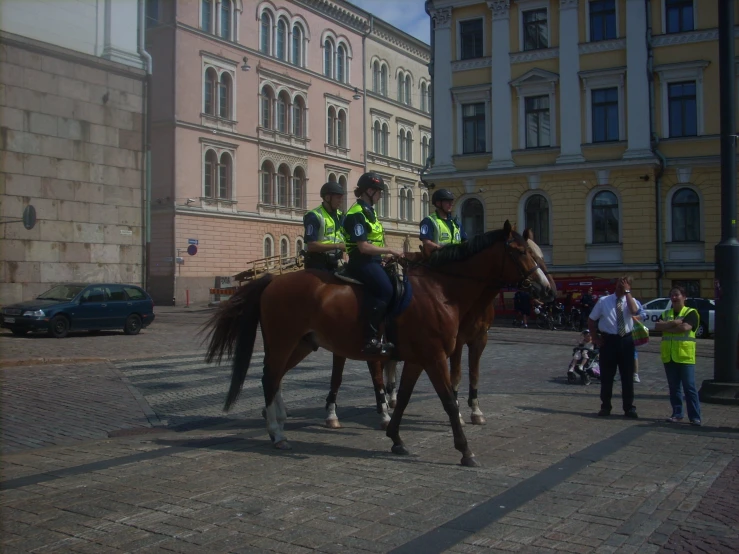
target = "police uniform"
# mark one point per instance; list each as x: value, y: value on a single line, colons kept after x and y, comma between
x: 677, y: 350
x: 441, y: 231
x: 323, y: 227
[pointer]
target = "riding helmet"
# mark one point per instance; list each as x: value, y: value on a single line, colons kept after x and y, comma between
x: 332, y: 187
x: 371, y: 180
x: 441, y: 194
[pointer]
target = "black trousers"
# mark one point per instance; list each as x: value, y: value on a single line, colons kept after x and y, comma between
x: 617, y: 353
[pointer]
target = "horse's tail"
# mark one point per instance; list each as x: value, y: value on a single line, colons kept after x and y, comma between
x: 233, y: 329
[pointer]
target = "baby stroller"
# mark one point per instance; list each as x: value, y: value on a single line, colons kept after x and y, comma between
x: 584, y: 365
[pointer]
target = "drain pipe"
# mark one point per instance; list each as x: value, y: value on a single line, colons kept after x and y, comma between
x: 364, y: 85
x: 654, y: 145
x: 146, y: 132
x: 432, y: 146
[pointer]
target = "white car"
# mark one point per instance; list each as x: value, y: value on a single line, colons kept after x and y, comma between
x: 706, y: 309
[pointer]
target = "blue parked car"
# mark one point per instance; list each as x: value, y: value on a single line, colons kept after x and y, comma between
x: 81, y: 306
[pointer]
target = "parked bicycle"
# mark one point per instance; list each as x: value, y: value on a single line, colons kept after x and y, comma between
x: 550, y: 316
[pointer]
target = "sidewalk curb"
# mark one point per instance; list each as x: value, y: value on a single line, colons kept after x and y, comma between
x: 17, y: 362
x: 154, y: 420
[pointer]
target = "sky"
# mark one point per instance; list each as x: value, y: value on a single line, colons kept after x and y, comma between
x: 407, y: 15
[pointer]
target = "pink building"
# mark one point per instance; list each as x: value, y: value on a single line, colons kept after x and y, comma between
x: 255, y: 104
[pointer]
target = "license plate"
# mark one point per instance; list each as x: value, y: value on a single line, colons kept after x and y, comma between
x: 8, y: 319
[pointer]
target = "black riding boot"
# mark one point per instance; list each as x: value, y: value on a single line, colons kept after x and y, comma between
x: 373, y: 339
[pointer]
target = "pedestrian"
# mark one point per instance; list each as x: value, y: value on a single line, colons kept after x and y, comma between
x: 638, y: 318
x: 611, y: 324
x: 522, y: 304
x: 678, y: 327
x: 586, y: 305
x: 324, y: 235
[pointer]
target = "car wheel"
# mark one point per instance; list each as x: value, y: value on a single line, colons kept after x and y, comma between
x: 133, y: 325
x: 59, y: 327
x: 701, y: 331
x: 19, y: 332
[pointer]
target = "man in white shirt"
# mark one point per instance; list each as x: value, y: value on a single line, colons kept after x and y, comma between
x: 610, y: 324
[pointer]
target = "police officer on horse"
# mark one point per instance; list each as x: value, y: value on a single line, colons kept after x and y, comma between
x: 324, y: 235
x: 366, y: 245
x: 440, y: 228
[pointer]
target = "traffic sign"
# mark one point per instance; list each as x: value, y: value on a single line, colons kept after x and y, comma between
x: 192, y: 250
x: 192, y: 241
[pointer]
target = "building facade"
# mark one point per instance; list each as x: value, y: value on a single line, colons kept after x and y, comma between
x: 255, y: 106
x: 603, y: 142
x: 72, y: 87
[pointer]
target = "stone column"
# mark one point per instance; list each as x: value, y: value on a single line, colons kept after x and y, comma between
x: 500, y: 120
x: 637, y: 85
x: 570, y: 129
x: 442, y: 98
x: 120, y: 44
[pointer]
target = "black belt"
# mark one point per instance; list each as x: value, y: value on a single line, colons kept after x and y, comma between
x: 615, y: 334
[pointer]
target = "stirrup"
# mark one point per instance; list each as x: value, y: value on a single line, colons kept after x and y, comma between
x: 377, y: 346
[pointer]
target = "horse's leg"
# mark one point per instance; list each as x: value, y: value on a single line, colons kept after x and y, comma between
x: 392, y: 391
x: 455, y: 374
x: 439, y: 376
x: 408, y: 379
x: 476, y: 348
x: 375, y: 369
x: 337, y: 373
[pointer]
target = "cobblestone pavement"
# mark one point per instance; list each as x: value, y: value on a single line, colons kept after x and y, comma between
x: 554, y: 476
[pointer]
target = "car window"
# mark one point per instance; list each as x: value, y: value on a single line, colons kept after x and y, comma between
x: 660, y: 304
x: 61, y: 292
x: 134, y: 293
x: 700, y: 304
x: 116, y: 294
x: 94, y: 294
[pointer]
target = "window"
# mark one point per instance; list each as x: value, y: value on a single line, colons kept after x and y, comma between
x: 209, y: 100
x: 297, y: 192
x: 377, y: 138
x: 341, y: 129
x: 297, y: 58
x: 537, y: 217
x: 376, y: 77
x: 385, y: 138
x: 209, y: 175
x: 281, y: 39
x: 409, y: 204
x: 424, y: 97
x: 282, y: 106
x: 116, y: 294
x: 401, y: 145
x: 383, y: 80
x: 683, y: 109
x: 268, y: 246
x: 605, y: 114
x: 473, y: 128
x: 330, y: 126
x: 299, y: 245
x: 268, y: 172
x: 473, y: 217
x: 693, y: 288
x: 401, y: 204
x: 679, y: 16
x: 657, y: 304
x: 206, y: 15
x: 328, y: 58
x: 602, y: 20
x: 605, y: 218
x: 424, y: 204
x: 224, y: 176
x: 281, y: 179
x: 408, y: 147
x: 226, y: 19
x: 538, y: 129
x: 217, y: 175
x: 298, y: 125
x: 342, y: 182
x: 152, y: 12
x: 685, y: 216
x: 224, y: 96
x: 284, y: 248
x: 408, y: 90
x: 401, y: 87
x: 471, y: 39
x: 134, y: 293
x: 266, y: 111
x: 424, y: 150
x: 383, y: 206
x: 265, y: 39
x: 535, y: 29
x: 341, y: 64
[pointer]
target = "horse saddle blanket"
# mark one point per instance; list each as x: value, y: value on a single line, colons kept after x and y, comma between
x: 402, y: 291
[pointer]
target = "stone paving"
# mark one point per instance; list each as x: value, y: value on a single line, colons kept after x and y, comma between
x: 554, y: 476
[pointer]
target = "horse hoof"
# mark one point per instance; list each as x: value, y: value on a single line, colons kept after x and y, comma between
x: 470, y: 461
x: 333, y: 424
x: 400, y: 450
x: 283, y: 445
x: 478, y: 419
x: 392, y: 403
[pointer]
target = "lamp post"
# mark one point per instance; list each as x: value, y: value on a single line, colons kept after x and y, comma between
x: 724, y: 387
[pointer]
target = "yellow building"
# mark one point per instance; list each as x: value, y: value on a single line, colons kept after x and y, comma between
x: 563, y: 117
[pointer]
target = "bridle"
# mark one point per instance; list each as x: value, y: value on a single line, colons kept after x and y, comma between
x: 525, y: 282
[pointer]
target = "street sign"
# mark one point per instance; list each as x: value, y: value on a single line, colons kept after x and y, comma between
x: 192, y: 241
x: 192, y: 250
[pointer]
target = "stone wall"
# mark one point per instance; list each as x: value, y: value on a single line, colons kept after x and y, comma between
x: 70, y: 145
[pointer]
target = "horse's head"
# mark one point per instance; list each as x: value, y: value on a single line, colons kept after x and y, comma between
x: 529, y: 271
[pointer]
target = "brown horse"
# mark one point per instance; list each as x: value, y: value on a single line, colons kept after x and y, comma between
x: 296, y: 309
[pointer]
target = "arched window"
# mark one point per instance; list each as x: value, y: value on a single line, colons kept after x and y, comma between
x: 224, y: 176
x: 537, y: 217
x: 341, y: 129
x: 686, y: 216
x: 401, y: 87
x: 268, y: 172
x: 282, y: 39
x: 331, y: 177
x: 330, y: 126
x: 377, y: 138
x: 209, y: 174
x: 298, y: 123
x: 284, y: 248
x: 376, y: 77
x: 281, y: 180
x: 408, y: 147
x: 401, y: 145
x: 409, y: 205
x: 206, y: 15
x: 424, y: 97
x: 473, y: 217
x: 383, y: 80
x: 299, y: 245
x: 297, y: 45
x: 226, y: 19
x: 268, y: 246
x: 424, y: 204
x: 605, y: 218
x: 328, y: 58
x: 283, y: 101
x: 224, y: 96
x: 265, y: 118
x: 342, y: 182
x: 424, y: 150
x: 401, y: 204
x: 341, y: 63
x: 408, y: 89
x: 297, y: 190
x: 209, y: 91
x: 265, y: 31
x: 385, y: 138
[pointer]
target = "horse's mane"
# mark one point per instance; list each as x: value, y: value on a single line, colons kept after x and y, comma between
x: 460, y: 252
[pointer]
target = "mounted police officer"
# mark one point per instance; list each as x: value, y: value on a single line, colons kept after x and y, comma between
x: 324, y: 235
x: 366, y: 246
x: 440, y: 228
